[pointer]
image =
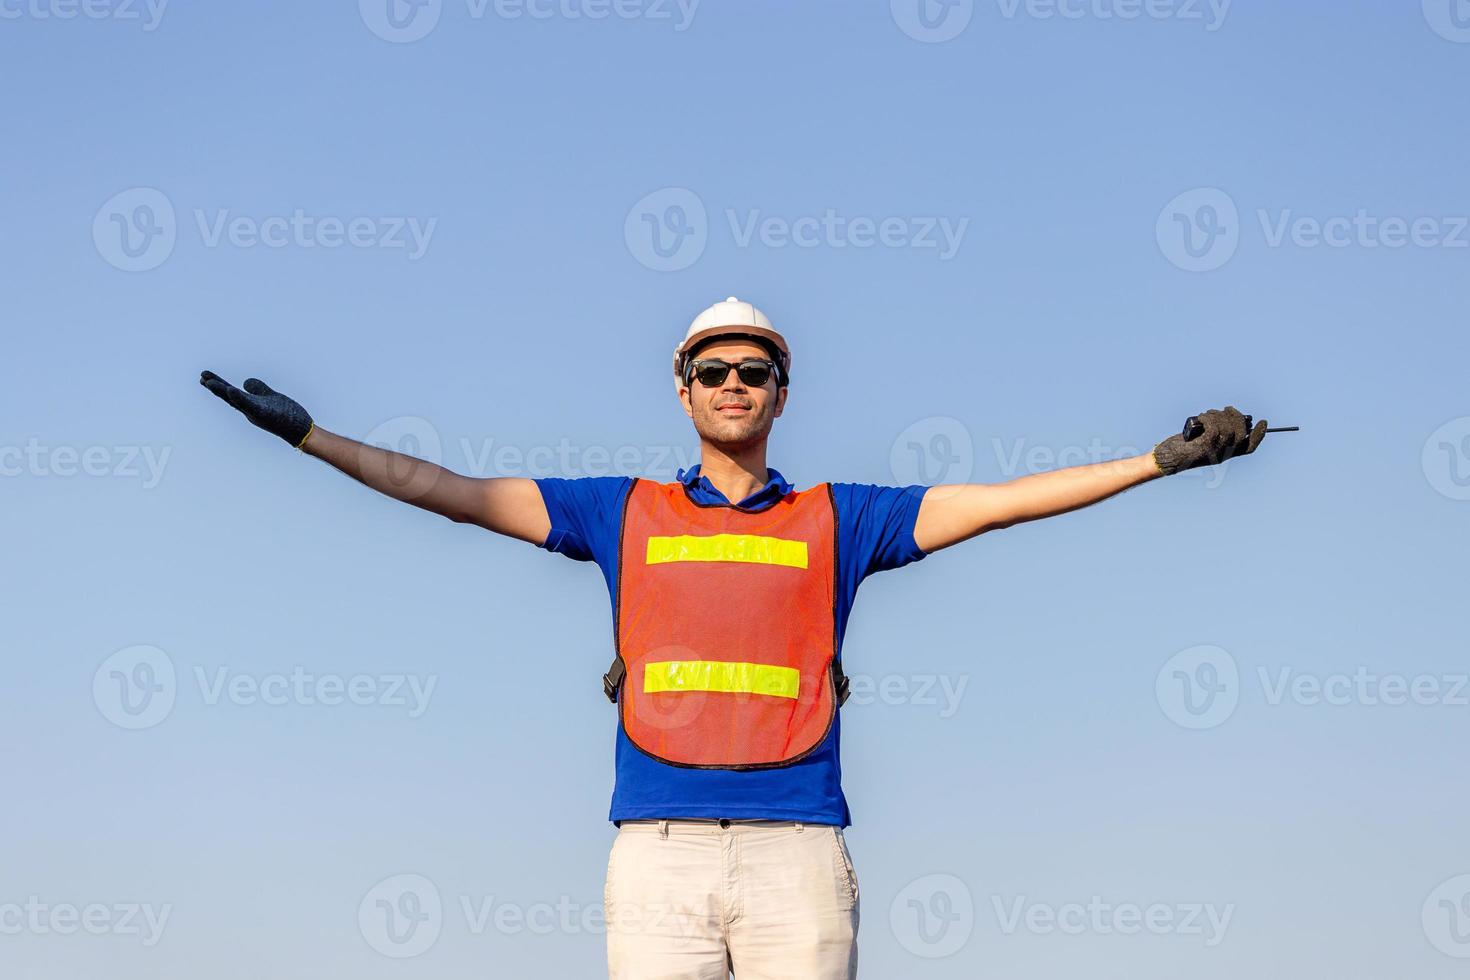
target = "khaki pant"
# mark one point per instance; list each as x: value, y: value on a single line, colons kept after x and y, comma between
x: 698, y: 899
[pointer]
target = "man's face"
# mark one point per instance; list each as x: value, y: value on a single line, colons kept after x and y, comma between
x: 733, y: 414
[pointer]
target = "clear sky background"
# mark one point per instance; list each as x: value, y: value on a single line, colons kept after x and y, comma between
x: 1141, y: 713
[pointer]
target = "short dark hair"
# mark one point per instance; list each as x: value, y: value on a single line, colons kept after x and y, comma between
x: 764, y: 343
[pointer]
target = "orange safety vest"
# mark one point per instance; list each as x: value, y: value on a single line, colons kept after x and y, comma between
x: 725, y: 623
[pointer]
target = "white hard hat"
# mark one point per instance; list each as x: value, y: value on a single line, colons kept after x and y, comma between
x: 731, y: 317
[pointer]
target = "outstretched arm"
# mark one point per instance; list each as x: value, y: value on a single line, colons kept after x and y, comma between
x: 506, y: 505
x: 956, y: 512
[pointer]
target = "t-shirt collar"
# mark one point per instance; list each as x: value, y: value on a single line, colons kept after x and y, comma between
x: 704, y: 492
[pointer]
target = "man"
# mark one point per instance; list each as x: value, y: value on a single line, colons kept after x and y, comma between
x: 731, y: 591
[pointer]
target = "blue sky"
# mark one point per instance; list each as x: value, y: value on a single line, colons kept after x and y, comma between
x: 1001, y: 236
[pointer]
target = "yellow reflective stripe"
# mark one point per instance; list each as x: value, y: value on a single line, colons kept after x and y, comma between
x: 714, y: 675
x: 755, y: 548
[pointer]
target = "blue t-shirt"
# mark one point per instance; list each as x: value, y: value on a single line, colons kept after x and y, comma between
x: 875, y: 527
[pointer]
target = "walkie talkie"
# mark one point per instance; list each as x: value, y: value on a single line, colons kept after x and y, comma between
x: 1193, y: 427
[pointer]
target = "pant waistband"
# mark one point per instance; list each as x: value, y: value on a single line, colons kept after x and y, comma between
x: 707, y: 825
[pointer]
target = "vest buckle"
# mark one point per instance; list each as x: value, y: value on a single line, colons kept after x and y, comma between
x: 612, y: 680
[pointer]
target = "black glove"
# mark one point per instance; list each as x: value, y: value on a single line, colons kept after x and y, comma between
x: 1226, y: 436
x: 271, y: 410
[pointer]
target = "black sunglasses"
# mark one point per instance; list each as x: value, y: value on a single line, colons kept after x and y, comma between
x: 712, y: 372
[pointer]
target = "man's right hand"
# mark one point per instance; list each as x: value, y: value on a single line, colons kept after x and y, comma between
x: 506, y: 505
x: 264, y: 407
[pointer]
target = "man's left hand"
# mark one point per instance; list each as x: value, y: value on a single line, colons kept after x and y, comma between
x: 1225, y: 436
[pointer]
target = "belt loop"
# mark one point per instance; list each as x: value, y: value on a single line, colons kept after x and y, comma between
x: 799, y: 825
x: 663, y: 829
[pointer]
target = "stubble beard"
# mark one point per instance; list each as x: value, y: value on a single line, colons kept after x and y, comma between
x: 733, y: 434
